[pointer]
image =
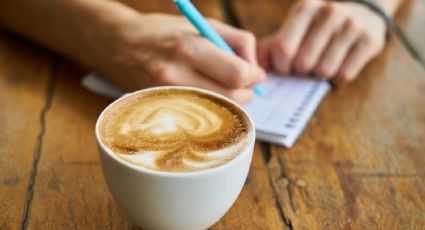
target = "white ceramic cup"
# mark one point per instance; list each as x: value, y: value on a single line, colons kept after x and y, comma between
x: 174, y: 200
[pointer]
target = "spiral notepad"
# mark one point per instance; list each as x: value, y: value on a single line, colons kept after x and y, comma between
x: 283, y: 112
x: 279, y: 116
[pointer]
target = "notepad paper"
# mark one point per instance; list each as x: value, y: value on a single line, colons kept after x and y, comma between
x: 279, y: 116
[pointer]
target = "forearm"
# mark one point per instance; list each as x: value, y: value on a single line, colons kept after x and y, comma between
x: 389, y: 6
x: 70, y: 27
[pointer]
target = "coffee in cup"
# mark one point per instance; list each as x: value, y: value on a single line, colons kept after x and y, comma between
x: 175, y: 130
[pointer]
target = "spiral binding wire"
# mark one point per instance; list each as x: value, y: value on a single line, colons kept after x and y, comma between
x: 295, y: 118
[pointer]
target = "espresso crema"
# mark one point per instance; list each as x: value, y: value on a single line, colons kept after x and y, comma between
x: 177, y: 130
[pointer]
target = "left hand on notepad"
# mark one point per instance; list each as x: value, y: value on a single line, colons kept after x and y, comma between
x: 333, y: 40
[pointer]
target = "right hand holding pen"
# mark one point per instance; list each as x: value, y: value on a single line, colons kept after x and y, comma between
x: 161, y: 49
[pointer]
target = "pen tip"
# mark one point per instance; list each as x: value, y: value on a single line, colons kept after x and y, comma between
x: 259, y: 91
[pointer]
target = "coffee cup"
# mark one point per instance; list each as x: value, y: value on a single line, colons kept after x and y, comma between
x: 161, y: 199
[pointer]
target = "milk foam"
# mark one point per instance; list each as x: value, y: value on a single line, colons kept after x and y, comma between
x: 175, y: 130
x: 213, y: 159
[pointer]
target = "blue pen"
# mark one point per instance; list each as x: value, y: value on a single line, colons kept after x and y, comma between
x: 189, y: 10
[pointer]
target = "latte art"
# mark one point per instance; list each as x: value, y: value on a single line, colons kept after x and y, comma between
x: 175, y: 130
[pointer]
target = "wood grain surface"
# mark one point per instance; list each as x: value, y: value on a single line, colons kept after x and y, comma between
x: 69, y: 181
x: 209, y: 8
x: 25, y: 72
x: 358, y: 165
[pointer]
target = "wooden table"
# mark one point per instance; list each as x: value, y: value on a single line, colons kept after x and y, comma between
x: 360, y: 163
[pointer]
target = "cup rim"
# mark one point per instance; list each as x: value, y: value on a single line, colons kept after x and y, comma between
x: 141, y: 169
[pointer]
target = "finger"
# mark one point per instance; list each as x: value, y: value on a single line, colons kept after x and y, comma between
x: 336, y: 52
x: 292, y: 33
x: 264, y: 53
x: 327, y: 22
x: 227, y: 69
x: 243, y: 42
x: 354, y: 63
x: 184, y: 76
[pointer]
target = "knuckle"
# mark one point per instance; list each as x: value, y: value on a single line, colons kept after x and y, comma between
x: 306, y: 4
x: 352, y: 25
x: 284, y: 50
x: 240, y: 96
x: 180, y: 45
x: 233, y: 94
x: 346, y: 78
x: 303, y: 65
x: 247, y: 97
x: 332, y: 12
x: 324, y: 72
x: 380, y: 44
x: 349, y: 24
x: 375, y: 44
x: 238, y: 77
x: 261, y: 76
x: 248, y: 37
x: 328, y: 8
x: 164, y: 75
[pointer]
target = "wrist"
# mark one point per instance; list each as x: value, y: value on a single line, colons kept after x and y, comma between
x: 101, y: 26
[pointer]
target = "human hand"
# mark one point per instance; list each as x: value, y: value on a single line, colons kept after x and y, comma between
x: 333, y: 40
x: 159, y: 49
